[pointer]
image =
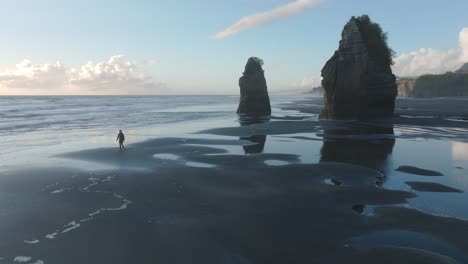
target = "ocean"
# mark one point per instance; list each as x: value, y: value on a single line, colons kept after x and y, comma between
x: 30, y: 122
x: 188, y: 158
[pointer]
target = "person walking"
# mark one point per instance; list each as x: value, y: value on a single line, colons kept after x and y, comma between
x: 121, y: 139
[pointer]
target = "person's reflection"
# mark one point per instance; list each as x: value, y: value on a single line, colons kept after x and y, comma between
x: 258, y: 141
x: 364, y: 145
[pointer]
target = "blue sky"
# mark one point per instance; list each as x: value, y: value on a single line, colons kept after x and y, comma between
x: 168, y: 46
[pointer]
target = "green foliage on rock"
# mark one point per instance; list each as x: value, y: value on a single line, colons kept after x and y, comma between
x: 376, y: 40
x: 254, y: 64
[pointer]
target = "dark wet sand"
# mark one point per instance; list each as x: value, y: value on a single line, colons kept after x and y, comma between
x: 239, y: 211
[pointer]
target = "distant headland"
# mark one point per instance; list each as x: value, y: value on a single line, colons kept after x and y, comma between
x: 435, y: 85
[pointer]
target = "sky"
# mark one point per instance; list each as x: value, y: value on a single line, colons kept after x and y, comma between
x: 58, y: 47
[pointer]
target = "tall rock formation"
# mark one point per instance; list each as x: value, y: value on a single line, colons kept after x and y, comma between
x: 254, y: 99
x: 358, y: 80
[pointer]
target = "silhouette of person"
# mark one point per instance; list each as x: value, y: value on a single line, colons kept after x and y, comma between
x: 121, y: 139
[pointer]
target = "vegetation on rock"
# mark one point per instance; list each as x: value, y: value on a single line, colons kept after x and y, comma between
x: 254, y: 64
x: 376, y: 40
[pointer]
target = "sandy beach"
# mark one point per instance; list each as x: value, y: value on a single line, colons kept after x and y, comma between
x: 288, y: 189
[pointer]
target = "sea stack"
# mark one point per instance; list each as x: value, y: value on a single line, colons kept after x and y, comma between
x: 254, y: 99
x: 358, y: 81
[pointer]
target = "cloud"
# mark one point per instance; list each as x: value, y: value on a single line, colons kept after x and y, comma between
x: 117, y: 75
x: 431, y: 61
x: 308, y: 83
x: 34, y: 76
x: 463, y: 40
x: 262, y: 18
x: 305, y: 85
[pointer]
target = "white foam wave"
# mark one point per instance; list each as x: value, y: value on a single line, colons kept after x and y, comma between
x: 22, y: 259
x: 52, y: 235
x: 72, y: 225
x: 75, y: 224
x: 34, y: 241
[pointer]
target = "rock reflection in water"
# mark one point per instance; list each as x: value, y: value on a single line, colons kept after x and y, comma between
x: 257, y: 140
x: 257, y: 147
x: 363, y: 145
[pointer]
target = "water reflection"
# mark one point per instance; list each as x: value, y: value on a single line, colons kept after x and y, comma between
x: 365, y: 145
x: 258, y: 141
x: 257, y: 146
x: 460, y: 151
x: 245, y: 120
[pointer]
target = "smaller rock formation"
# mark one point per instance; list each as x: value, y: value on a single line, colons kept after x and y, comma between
x: 254, y: 99
x: 358, y: 80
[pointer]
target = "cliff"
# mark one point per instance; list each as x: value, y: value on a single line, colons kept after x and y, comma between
x: 448, y: 84
x: 406, y: 87
x: 254, y: 99
x: 463, y: 69
x: 357, y: 80
x: 436, y: 85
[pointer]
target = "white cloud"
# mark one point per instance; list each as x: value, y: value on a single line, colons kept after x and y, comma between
x: 117, y: 75
x: 463, y: 39
x: 262, y: 18
x: 305, y: 85
x: 431, y: 61
x: 34, y: 76
x: 308, y: 82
